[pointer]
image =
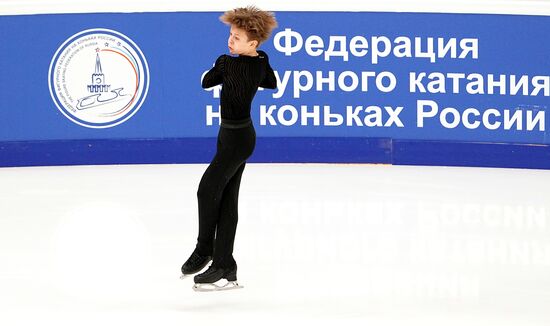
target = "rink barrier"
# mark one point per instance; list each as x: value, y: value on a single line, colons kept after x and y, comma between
x: 288, y: 149
x: 42, y: 121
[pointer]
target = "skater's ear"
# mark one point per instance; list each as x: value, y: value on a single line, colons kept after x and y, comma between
x: 254, y: 43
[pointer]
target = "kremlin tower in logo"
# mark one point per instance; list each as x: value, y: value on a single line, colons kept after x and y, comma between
x: 98, y: 79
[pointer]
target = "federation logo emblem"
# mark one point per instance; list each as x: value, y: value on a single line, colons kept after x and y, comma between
x: 98, y: 78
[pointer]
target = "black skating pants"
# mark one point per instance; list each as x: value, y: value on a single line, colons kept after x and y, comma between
x: 218, y: 192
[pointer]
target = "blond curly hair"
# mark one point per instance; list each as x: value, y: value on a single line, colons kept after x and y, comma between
x: 257, y: 23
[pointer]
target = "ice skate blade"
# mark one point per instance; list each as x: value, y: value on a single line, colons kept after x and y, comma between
x: 212, y: 287
x: 184, y: 276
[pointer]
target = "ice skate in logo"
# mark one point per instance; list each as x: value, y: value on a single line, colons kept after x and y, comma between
x: 98, y: 78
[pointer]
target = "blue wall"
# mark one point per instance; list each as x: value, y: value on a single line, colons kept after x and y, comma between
x: 155, y: 111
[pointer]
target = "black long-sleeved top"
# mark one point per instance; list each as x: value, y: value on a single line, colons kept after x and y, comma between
x: 240, y: 78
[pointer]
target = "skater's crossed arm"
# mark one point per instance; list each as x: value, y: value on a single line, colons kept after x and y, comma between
x: 215, y: 75
x: 269, y: 81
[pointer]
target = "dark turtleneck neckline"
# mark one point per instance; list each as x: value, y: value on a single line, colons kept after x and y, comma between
x: 260, y: 55
x: 248, y: 56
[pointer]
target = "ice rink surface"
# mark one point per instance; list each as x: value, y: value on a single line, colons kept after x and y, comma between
x: 326, y: 243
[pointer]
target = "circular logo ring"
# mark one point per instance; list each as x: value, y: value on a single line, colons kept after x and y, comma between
x: 98, y: 78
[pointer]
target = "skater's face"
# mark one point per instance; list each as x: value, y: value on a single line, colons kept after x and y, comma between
x: 238, y: 42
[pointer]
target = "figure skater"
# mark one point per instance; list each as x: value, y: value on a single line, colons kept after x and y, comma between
x: 218, y: 192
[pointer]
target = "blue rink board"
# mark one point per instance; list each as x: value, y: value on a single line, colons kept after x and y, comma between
x: 170, y: 126
x: 289, y: 150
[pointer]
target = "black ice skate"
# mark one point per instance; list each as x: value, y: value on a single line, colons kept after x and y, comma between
x: 194, y: 264
x: 205, y: 282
